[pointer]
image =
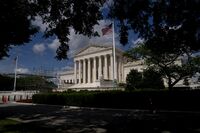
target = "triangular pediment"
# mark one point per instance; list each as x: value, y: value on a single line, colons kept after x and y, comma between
x: 91, y: 49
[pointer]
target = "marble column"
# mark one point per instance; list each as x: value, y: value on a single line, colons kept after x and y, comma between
x: 122, y: 78
x: 100, y: 68
x: 94, y: 69
x: 89, y: 70
x: 111, y: 67
x: 115, y: 69
x: 79, y: 72
x: 75, y: 73
x: 84, y: 71
x: 105, y: 67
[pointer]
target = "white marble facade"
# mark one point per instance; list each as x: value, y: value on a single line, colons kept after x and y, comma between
x: 93, y: 67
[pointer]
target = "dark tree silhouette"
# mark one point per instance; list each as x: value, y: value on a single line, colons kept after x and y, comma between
x: 169, y: 65
x: 170, y: 28
x: 133, y: 80
x: 166, y: 25
x: 15, y: 24
x: 58, y: 15
x: 152, y: 79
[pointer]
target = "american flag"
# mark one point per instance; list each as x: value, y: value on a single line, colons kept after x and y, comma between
x: 107, y: 29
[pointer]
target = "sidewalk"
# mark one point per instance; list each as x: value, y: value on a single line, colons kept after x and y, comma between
x: 62, y: 119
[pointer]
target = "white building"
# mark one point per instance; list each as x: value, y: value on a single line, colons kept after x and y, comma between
x: 93, y: 67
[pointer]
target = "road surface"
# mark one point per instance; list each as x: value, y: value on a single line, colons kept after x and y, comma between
x: 62, y: 119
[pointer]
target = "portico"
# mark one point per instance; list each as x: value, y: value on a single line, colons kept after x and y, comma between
x: 94, y: 64
x: 93, y: 68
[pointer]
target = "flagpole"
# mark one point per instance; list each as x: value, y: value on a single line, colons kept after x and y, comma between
x: 114, y: 56
x: 15, y: 79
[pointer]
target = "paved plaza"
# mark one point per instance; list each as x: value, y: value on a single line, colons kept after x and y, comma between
x: 62, y: 119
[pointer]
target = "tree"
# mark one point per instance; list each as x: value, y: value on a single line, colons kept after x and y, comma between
x: 59, y: 16
x: 170, y: 29
x: 26, y: 83
x: 169, y: 65
x: 34, y: 83
x: 152, y: 79
x: 15, y: 24
x: 148, y: 79
x: 6, y: 83
x: 186, y: 82
x: 133, y: 80
x: 166, y: 25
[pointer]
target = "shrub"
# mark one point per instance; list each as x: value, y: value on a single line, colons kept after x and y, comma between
x: 133, y: 80
x: 152, y: 79
x: 151, y: 99
x: 122, y: 85
x: 148, y: 79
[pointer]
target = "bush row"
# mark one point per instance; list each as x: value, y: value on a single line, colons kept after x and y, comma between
x: 155, y: 99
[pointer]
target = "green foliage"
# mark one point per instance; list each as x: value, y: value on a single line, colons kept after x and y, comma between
x: 143, y: 99
x: 6, y: 83
x: 26, y: 83
x: 34, y: 83
x: 137, y: 53
x: 186, y: 82
x: 152, y: 79
x: 166, y: 25
x: 5, y: 123
x: 133, y: 80
x: 15, y: 24
x: 169, y: 65
x: 58, y: 15
x: 170, y: 30
x: 148, y: 79
x: 61, y: 15
x: 123, y: 85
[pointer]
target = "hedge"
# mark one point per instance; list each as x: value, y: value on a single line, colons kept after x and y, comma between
x: 170, y: 100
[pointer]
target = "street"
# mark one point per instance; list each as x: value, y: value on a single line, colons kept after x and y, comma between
x: 62, y: 119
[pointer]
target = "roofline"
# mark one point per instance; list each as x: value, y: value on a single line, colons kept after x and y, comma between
x: 96, y: 45
x: 89, y: 45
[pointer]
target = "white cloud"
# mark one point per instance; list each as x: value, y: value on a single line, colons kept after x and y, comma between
x: 38, y: 22
x: 23, y: 70
x: 39, y: 48
x: 106, y: 39
x: 78, y: 41
x: 54, y: 45
x: 67, y: 68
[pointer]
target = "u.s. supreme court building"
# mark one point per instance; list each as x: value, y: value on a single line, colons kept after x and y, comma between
x: 93, y: 68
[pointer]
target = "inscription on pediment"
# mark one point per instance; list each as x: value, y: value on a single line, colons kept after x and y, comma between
x: 91, y: 49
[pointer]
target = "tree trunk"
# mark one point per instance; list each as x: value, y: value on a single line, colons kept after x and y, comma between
x: 170, y: 86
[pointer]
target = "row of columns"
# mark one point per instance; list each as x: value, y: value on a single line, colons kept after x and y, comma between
x: 89, y: 72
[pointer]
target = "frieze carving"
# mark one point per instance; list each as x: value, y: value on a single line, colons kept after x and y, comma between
x: 91, y: 50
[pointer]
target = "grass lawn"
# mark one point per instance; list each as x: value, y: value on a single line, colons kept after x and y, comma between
x: 12, y: 126
x: 6, y: 126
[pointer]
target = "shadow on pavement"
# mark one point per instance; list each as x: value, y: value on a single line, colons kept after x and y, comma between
x: 51, y: 119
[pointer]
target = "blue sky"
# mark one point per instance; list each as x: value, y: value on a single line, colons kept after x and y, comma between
x: 40, y: 52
